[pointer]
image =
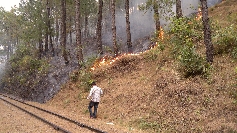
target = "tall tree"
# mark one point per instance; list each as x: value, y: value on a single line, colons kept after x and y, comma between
x: 78, y: 32
x: 114, y: 29
x: 99, y: 28
x: 49, y: 27
x: 88, y: 9
x: 179, y: 13
x: 207, y: 32
x: 157, y: 16
x: 129, y: 41
x: 46, y: 44
x: 63, y: 40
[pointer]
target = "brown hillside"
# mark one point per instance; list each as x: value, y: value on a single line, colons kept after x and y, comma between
x: 145, y: 95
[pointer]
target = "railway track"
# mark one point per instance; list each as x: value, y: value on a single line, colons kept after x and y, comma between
x: 52, y: 119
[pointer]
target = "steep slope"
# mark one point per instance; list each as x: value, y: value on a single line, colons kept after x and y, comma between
x: 147, y: 94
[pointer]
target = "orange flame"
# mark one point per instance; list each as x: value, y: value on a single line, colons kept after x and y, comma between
x: 199, y: 14
x: 161, y: 34
x: 106, y: 60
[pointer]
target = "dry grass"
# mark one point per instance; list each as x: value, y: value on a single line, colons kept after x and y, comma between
x: 223, y: 11
x: 150, y: 94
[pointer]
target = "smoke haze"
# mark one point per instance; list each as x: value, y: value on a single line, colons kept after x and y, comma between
x: 142, y: 23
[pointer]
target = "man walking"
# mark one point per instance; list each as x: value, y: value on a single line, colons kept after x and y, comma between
x: 94, y: 96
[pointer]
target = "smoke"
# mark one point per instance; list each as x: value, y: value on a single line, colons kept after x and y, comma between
x: 142, y: 23
x: 191, y: 6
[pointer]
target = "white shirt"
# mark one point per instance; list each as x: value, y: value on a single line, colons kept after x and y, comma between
x: 95, y: 93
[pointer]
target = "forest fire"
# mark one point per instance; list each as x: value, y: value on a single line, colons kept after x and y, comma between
x: 108, y: 60
x: 199, y: 14
x: 161, y: 34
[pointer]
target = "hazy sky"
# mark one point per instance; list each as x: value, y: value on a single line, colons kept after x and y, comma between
x: 7, y: 4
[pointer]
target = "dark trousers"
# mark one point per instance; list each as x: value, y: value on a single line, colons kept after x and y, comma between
x: 95, y: 105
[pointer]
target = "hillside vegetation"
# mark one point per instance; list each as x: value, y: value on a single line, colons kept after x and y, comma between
x: 148, y: 93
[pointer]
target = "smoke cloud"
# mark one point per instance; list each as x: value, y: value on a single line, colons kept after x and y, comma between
x: 142, y: 23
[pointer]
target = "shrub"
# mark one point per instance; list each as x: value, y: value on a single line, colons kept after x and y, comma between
x: 225, y: 41
x: 84, y: 76
x: 185, y: 33
x: 191, y: 64
x: 152, y: 54
x: 85, y: 79
x: 25, y: 70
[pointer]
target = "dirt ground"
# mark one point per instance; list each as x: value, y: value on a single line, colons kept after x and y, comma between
x: 14, y: 120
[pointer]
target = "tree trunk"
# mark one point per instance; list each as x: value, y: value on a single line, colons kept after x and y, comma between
x: 40, y: 48
x: 49, y: 29
x: 99, y: 28
x: 78, y: 32
x: 129, y: 42
x: 70, y: 30
x: 57, y: 31
x: 46, y: 46
x: 63, y: 31
x: 207, y: 32
x: 179, y: 13
x: 40, y: 40
x: 86, y: 26
x: 114, y: 29
x: 157, y: 17
x: 51, y: 44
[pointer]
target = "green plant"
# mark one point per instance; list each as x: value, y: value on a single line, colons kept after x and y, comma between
x: 25, y: 69
x: 191, y: 64
x: 74, y: 76
x: 185, y: 33
x: 85, y: 79
x: 226, y: 40
x: 145, y: 125
x: 153, y: 54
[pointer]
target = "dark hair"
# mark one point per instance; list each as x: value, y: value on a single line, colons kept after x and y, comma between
x: 93, y: 83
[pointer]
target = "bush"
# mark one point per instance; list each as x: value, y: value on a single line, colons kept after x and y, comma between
x: 225, y: 41
x: 86, y: 79
x: 185, y: 33
x: 191, y: 64
x: 84, y: 75
x: 152, y: 54
x: 25, y: 70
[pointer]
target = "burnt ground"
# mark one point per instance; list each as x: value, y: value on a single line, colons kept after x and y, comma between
x: 59, y: 72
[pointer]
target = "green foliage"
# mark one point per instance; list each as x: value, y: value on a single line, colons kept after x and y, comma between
x: 84, y: 76
x: 191, y: 64
x: 164, y: 6
x: 146, y: 125
x: 225, y: 41
x: 153, y: 54
x: 85, y: 79
x: 185, y: 33
x: 25, y: 67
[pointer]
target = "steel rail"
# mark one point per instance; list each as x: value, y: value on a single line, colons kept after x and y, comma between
x: 43, y: 120
x: 60, y: 116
